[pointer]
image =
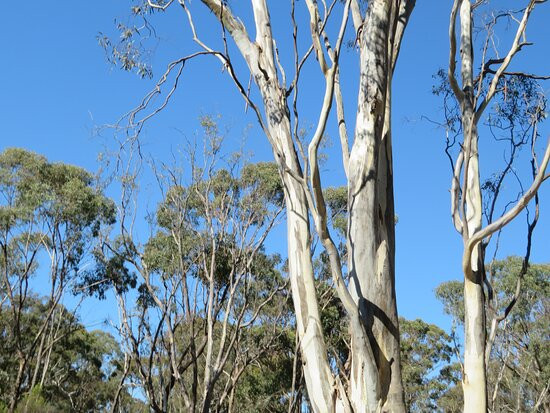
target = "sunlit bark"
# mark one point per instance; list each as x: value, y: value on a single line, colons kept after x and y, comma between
x: 373, y: 383
x: 466, y: 195
x: 375, y: 377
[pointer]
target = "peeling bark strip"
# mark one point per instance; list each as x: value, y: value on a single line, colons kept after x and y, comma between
x: 374, y: 383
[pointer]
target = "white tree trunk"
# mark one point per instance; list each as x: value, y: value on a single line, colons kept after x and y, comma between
x: 466, y: 198
x: 318, y: 377
x: 474, y: 381
x: 371, y: 242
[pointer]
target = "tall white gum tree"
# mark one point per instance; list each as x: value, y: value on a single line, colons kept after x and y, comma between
x: 466, y: 192
x: 371, y: 381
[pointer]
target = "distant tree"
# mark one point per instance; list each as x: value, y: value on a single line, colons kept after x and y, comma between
x: 425, y: 350
x: 50, y: 213
x: 82, y: 369
x: 202, y: 305
x: 265, y: 385
x: 518, y: 372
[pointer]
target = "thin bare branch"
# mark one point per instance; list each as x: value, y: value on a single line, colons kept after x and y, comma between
x: 517, y: 44
x: 513, y: 212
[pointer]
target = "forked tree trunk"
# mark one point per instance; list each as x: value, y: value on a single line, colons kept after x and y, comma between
x: 318, y: 377
x: 466, y: 197
x: 474, y: 382
x: 375, y: 377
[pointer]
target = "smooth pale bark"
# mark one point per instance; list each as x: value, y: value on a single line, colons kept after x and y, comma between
x: 318, y: 377
x: 259, y: 56
x: 375, y: 377
x: 474, y: 382
x: 371, y: 238
x: 466, y: 198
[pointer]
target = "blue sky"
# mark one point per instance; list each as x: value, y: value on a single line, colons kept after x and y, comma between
x: 56, y: 89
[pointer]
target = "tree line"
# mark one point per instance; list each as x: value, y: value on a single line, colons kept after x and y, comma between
x: 206, y: 314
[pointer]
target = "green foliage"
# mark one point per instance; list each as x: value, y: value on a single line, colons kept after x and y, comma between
x: 333, y: 316
x: 188, y: 215
x: 522, y: 101
x: 180, y: 207
x: 451, y: 295
x: 84, y: 364
x: 337, y: 201
x: 265, y: 385
x: 518, y: 103
x: 204, y: 275
x: 56, y: 198
x: 250, y: 196
x: 262, y: 182
x: 519, y: 365
x: 57, y: 192
x: 50, y: 207
x: 161, y: 253
x: 451, y: 399
x: 129, y: 51
x: 335, y: 324
x: 110, y: 271
x: 32, y: 313
x: 34, y: 402
x: 22, y: 191
x: 425, y: 348
x: 535, y: 287
x: 522, y: 345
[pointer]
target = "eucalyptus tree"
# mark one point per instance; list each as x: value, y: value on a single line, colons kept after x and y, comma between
x: 475, y: 97
x: 50, y: 213
x: 426, y: 353
x: 365, y: 285
x: 84, y: 366
x: 517, y: 371
x: 200, y: 301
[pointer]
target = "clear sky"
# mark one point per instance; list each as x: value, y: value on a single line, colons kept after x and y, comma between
x: 56, y: 88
